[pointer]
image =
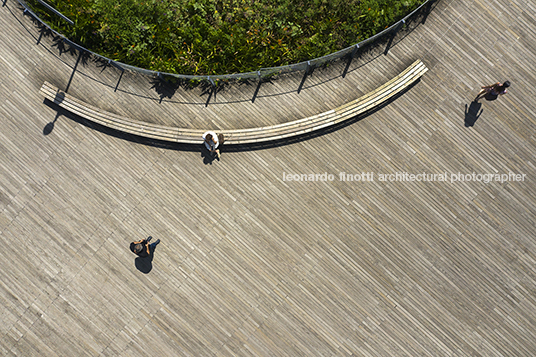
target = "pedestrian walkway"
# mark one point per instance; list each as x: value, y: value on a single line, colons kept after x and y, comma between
x: 320, y: 247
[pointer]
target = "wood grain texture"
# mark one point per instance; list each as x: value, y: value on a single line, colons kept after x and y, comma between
x: 250, y: 264
x: 259, y: 134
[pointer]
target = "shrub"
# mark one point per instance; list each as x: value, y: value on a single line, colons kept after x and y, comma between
x: 221, y: 36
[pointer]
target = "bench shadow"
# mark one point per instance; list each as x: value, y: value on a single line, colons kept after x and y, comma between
x: 208, y: 158
x: 119, y: 134
x: 318, y: 133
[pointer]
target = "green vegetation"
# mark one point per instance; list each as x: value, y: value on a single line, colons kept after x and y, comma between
x: 220, y: 36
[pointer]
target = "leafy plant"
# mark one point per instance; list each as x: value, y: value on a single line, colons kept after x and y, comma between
x: 220, y: 36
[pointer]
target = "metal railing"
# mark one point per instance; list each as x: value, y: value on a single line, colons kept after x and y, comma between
x: 385, y: 37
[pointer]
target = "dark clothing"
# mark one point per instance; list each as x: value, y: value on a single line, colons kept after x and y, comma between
x: 496, y: 91
x: 140, y: 249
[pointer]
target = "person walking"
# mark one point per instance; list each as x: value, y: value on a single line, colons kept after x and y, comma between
x: 493, y: 90
x: 142, y: 248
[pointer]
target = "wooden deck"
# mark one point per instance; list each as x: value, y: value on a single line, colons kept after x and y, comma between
x: 283, y: 132
x: 254, y: 265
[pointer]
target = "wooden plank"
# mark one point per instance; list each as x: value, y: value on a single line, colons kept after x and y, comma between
x: 239, y: 136
x: 250, y: 263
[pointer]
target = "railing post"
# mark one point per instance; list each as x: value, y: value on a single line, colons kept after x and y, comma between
x: 395, y: 31
x: 213, y: 90
x: 74, y: 70
x: 352, y: 55
x: 110, y: 62
x: 426, y: 8
x: 258, y: 87
x: 304, y: 76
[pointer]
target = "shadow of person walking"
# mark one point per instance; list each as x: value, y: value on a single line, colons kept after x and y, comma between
x: 145, y: 253
x: 145, y: 265
x: 472, y: 114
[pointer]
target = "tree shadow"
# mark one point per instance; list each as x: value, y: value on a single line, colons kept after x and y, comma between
x: 167, y: 86
x: 61, y: 46
x: 472, y: 114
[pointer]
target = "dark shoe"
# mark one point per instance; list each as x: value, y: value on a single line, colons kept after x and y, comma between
x: 148, y: 239
x: 158, y: 241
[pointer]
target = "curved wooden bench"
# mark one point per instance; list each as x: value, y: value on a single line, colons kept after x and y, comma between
x: 240, y: 136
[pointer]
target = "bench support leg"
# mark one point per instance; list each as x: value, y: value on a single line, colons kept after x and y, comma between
x: 74, y: 70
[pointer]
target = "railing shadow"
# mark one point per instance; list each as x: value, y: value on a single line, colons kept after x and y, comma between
x: 317, y: 133
x: 167, y: 89
x: 207, y: 158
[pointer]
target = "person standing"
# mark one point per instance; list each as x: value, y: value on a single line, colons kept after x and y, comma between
x: 142, y: 248
x: 494, y: 90
x: 212, y: 142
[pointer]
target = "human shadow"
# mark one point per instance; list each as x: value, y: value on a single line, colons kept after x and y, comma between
x: 145, y: 265
x: 208, y: 157
x: 472, y: 114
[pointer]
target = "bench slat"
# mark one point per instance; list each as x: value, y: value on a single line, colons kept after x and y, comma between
x: 320, y: 121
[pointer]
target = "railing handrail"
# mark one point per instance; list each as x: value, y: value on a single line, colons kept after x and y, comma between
x: 56, y: 11
x: 253, y: 74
